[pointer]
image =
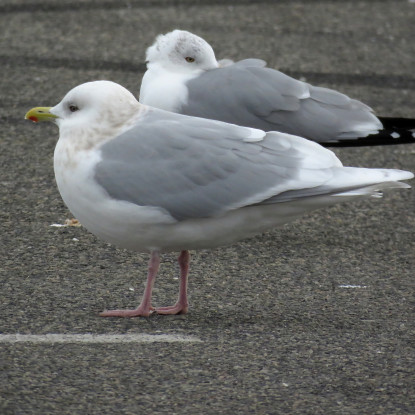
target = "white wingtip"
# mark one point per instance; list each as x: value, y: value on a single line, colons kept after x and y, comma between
x: 381, y: 179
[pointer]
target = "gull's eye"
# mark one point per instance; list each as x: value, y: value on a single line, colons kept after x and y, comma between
x: 189, y: 59
x: 73, y: 108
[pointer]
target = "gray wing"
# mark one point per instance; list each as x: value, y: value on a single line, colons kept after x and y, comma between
x: 196, y: 168
x: 247, y: 93
x: 247, y: 62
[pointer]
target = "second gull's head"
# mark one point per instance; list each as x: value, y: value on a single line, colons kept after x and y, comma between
x: 181, y: 51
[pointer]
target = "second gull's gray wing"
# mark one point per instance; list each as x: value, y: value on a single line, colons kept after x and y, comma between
x: 246, y: 93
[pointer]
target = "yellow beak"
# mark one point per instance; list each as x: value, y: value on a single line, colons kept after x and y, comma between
x: 40, y: 114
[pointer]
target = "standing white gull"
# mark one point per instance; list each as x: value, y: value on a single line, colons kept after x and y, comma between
x: 150, y: 180
x: 183, y: 76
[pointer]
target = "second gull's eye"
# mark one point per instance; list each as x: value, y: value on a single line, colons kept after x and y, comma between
x: 189, y: 59
x: 73, y: 108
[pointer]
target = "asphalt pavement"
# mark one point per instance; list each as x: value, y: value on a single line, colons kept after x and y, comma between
x: 317, y: 317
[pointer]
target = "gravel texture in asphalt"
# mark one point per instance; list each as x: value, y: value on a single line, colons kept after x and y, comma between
x: 316, y: 317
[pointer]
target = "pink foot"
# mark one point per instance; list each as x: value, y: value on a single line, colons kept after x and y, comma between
x: 174, y: 309
x: 145, y: 308
x: 137, y: 312
x: 182, y: 304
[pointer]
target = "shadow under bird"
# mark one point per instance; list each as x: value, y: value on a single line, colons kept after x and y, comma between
x: 184, y: 76
x: 150, y: 180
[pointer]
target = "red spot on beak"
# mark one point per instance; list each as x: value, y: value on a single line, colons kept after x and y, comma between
x: 33, y: 118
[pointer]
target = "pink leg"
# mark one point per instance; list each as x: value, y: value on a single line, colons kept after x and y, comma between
x: 145, y: 308
x: 181, y: 305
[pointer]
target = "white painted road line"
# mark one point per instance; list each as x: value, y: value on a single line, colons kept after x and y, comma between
x: 352, y: 286
x: 97, y: 338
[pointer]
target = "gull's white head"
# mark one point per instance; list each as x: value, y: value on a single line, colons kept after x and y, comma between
x: 99, y: 103
x: 181, y: 51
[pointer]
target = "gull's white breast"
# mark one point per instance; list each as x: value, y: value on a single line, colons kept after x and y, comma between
x: 121, y: 223
x: 163, y: 89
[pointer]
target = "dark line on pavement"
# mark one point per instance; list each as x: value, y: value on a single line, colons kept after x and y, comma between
x: 377, y: 80
x: 72, y: 63
x: 107, y: 5
x: 53, y: 6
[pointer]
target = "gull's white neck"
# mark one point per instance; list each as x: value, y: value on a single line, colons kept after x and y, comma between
x: 165, y: 89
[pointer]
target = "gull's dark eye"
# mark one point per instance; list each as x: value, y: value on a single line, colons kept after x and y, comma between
x: 73, y: 108
x: 189, y: 59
